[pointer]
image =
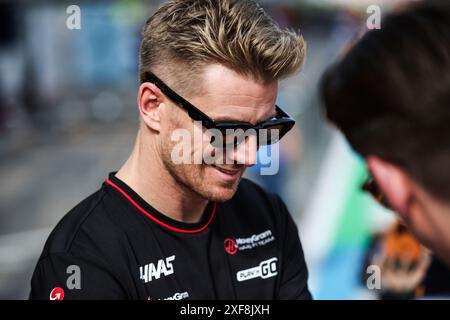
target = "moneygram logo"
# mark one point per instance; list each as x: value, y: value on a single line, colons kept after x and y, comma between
x: 230, y: 246
x: 266, y: 269
x: 254, y: 241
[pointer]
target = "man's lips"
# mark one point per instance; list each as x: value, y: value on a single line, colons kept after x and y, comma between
x: 228, y: 171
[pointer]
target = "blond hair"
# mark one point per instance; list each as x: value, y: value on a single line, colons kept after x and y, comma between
x: 185, y: 35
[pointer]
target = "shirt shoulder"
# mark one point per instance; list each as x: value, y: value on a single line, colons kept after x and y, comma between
x: 87, y: 229
x: 94, y: 238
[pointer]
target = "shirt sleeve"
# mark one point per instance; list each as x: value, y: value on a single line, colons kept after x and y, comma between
x: 294, y: 272
x: 67, y: 277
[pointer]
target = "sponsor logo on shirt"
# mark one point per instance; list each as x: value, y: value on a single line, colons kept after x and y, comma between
x: 240, y: 244
x: 266, y: 269
x: 152, y: 271
x: 230, y: 246
x: 176, y: 296
x: 57, y: 294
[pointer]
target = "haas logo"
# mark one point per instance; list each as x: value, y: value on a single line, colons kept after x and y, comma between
x: 154, y: 271
x: 57, y: 294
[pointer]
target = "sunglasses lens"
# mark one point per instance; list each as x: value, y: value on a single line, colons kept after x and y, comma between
x: 231, y: 138
x: 266, y: 134
x: 372, y: 188
x: 226, y: 139
x: 270, y: 135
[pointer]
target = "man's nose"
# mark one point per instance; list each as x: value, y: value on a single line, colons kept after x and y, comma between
x: 245, y: 153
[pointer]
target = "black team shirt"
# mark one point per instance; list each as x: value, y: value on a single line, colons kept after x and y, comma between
x: 114, y: 245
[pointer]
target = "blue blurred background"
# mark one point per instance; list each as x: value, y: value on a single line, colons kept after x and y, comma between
x: 68, y: 116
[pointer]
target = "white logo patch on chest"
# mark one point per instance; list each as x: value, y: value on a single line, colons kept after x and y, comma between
x: 152, y: 271
x: 266, y: 269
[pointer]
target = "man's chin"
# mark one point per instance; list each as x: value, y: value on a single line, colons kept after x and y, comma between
x: 221, y: 193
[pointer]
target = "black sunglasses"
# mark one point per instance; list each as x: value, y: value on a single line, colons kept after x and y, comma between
x: 371, y: 187
x: 232, y: 133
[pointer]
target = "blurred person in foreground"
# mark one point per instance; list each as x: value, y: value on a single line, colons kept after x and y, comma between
x: 390, y: 96
x: 163, y: 229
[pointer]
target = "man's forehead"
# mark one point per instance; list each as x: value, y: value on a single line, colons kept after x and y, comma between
x: 236, y: 108
x: 229, y: 96
x: 220, y: 80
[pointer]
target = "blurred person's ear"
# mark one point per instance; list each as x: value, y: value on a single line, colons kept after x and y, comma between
x: 149, y: 100
x: 393, y: 182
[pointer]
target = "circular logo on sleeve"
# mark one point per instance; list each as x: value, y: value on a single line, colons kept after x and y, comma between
x: 230, y: 246
x: 57, y: 294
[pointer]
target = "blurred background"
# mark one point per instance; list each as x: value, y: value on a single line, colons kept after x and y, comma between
x: 68, y: 116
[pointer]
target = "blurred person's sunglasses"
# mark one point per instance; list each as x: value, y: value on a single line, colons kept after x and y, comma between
x: 370, y: 186
x: 233, y: 132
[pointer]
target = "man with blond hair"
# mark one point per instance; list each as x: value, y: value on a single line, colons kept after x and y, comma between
x: 167, y: 226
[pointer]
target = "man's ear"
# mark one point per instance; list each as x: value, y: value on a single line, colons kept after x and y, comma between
x: 393, y: 182
x: 149, y: 100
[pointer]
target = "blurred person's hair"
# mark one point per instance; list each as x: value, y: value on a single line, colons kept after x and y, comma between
x: 183, y: 36
x: 390, y: 95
